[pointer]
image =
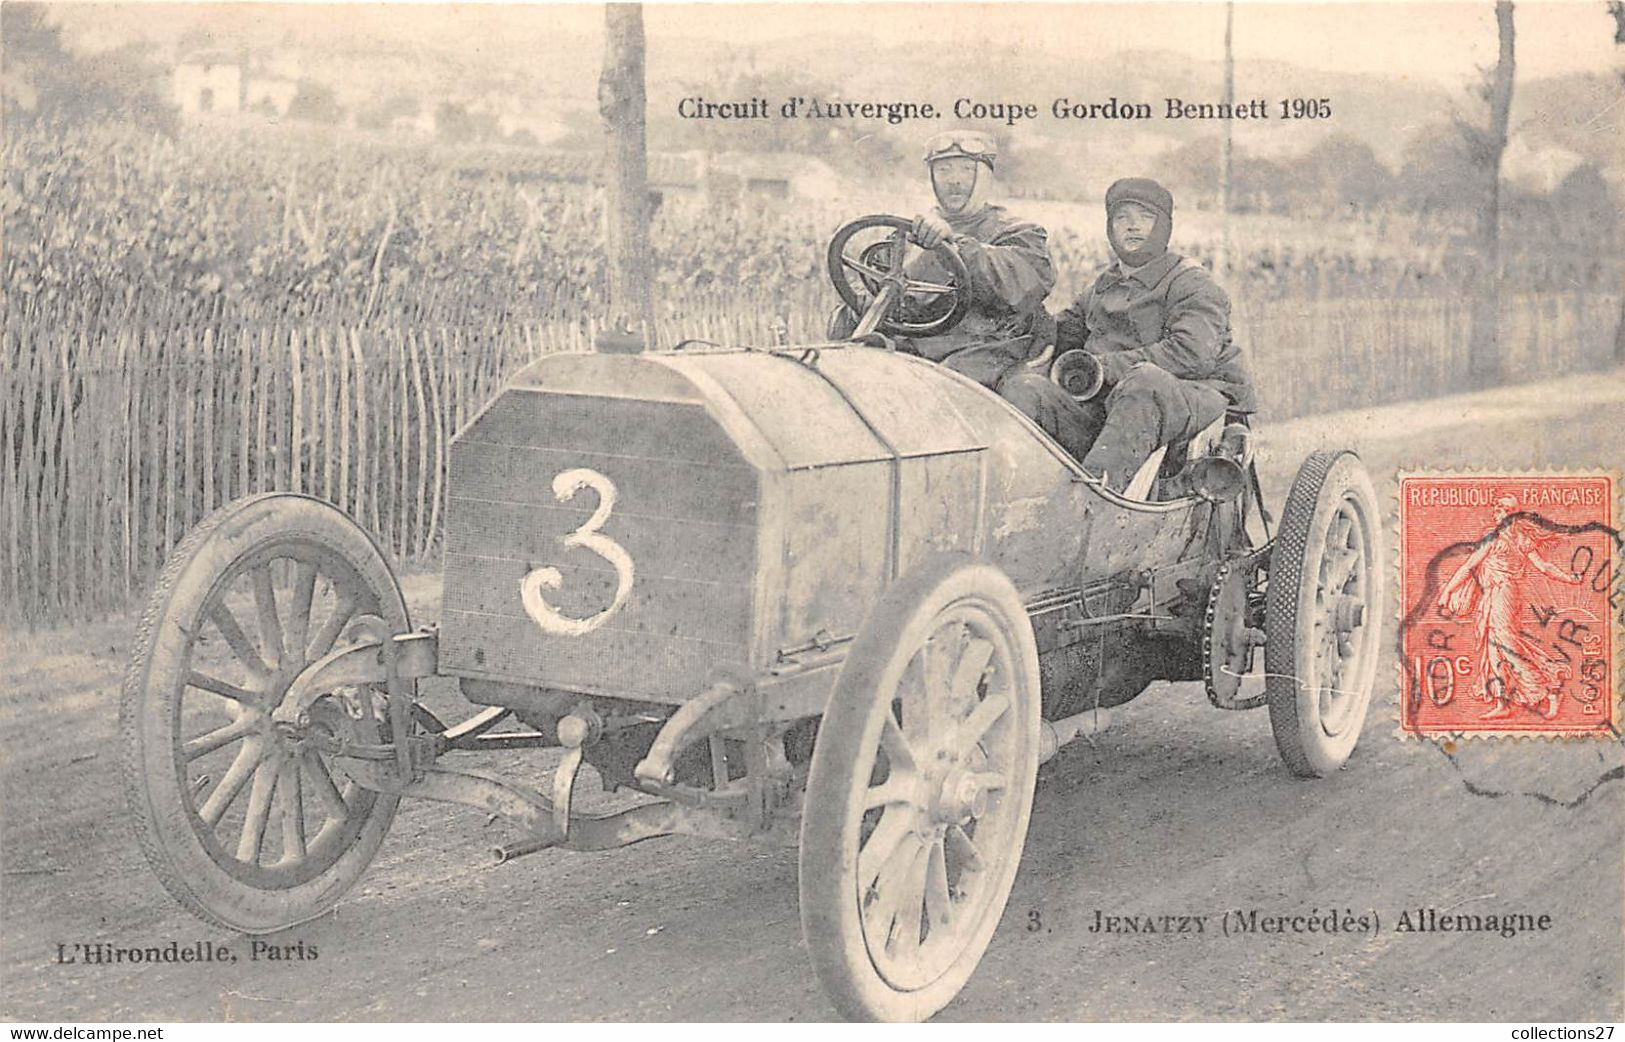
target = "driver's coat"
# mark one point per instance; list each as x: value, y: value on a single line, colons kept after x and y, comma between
x: 1011, y: 274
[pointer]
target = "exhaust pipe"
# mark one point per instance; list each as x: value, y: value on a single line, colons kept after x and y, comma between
x: 1053, y: 735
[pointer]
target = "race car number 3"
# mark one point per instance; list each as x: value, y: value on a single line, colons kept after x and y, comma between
x: 588, y: 537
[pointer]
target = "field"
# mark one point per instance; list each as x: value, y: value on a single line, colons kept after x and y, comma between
x: 192, y: 319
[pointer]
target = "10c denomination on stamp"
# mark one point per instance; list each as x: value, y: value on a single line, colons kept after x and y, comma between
x: 1509, y: 592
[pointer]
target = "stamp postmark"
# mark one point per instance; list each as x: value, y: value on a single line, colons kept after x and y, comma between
x: 1509, y: 593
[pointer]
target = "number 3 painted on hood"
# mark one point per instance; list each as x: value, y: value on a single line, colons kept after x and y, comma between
x: 588, y: 537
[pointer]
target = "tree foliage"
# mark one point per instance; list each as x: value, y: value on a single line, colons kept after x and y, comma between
x: 456, y: 124
x: 1438, y: 173
x: 382, y: 115
x: 315, y: 102
x: 1339, y: 175
x: 47, y: 81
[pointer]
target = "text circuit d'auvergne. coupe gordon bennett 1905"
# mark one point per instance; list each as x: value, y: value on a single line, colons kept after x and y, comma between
x: 833, y: 593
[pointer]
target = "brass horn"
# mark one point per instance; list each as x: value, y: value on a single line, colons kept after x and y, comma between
x: 1079, y: 374
x: 1221, y: 472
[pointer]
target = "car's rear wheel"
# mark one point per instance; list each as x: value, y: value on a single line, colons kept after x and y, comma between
x: 1322, y: 616
x: 920, y: 791
x: 244, y: 819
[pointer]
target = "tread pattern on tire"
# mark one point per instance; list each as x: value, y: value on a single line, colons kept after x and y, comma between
x: 1280, y: 614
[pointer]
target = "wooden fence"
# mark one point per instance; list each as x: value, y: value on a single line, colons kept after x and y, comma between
x: 115, y: 446
x: 114, y: 440
x: 1311, y: 356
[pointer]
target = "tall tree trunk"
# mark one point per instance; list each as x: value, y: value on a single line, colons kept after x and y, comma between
x: 1227, y: 146
x: 1486, y: 363
x: 623, y: 103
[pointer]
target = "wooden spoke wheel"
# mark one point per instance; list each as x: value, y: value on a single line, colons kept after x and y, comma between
x: 247, y: 823
x: 1323, y: 614
x: 919, y: 793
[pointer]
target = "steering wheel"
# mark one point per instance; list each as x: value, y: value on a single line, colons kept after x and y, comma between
x: 886, y: 297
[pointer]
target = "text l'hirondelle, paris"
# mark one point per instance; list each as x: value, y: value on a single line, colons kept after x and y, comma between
x: 105, y: 953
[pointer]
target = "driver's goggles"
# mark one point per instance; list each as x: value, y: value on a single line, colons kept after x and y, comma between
x: 972, y: 144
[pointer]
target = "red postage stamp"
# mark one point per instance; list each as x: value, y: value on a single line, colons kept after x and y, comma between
x: 1509, y: 593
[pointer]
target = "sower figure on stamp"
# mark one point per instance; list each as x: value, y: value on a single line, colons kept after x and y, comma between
x: 1160, y: 326
x: 1490, y: 585
x: 1008, y: 261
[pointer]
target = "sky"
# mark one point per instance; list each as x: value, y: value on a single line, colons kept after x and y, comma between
x: 1444, y: 43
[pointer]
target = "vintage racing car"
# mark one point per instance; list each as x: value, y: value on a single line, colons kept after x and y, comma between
x: 830, y: 593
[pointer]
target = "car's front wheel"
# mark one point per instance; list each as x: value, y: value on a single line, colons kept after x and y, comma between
x: 920, y: 791
x: 1322, y: 615
x: 246, y: 821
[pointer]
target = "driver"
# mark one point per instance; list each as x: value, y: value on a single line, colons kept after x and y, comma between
x: 1008, y: 261
x: 1160, y: 327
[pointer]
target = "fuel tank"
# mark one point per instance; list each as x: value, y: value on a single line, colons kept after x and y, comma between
x: 627, y: 525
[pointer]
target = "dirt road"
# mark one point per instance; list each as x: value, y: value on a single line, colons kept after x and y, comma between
x: 1179, y: 810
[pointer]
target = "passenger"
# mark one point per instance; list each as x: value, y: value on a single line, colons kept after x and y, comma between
x: 1160, y: 327
x: 1008, y: 261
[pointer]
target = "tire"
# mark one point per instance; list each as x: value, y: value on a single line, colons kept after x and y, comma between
x: 1322, y: 613
x: 899, y: 900
x: 177, y: 735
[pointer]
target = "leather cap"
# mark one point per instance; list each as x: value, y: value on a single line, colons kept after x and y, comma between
x: 1141, y: 190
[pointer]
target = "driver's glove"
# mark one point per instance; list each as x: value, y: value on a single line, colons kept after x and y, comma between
x: 929, y: 231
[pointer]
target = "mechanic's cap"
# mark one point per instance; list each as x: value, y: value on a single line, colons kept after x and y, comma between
x: 971, y: 144
x: 1140, y: 190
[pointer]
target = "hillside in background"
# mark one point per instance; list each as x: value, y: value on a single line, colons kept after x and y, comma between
x: 1579, y: 113
x: 548, y: 60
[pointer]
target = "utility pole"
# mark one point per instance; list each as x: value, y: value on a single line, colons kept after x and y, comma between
x: 623, y: 103
x: 1485, y: 361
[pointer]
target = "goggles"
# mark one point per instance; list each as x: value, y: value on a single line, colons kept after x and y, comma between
x: 969, y: 144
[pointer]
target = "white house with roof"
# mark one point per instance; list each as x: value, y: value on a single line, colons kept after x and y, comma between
x: 221, y: 81
x: 208, y: 82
